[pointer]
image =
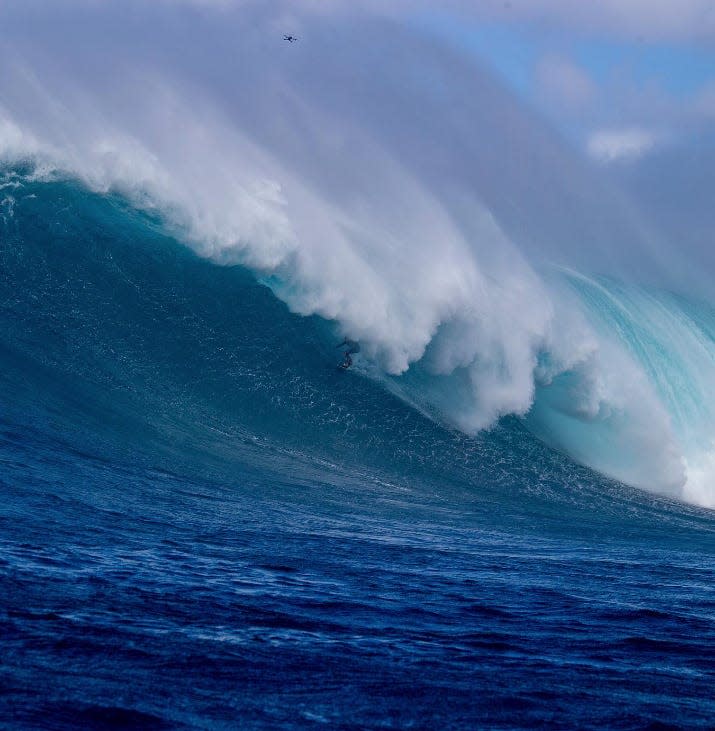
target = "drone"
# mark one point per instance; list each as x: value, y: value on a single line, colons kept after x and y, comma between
x: 290, y: 39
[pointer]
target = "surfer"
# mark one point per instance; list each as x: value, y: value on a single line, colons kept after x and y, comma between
x: 352, y: 347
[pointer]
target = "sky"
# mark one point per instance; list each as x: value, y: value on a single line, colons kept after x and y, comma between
x: 621, y: 80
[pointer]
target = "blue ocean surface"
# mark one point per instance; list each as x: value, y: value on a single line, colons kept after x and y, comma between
x: 205, y: 525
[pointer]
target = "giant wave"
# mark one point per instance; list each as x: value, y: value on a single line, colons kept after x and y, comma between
x: 479, y: 288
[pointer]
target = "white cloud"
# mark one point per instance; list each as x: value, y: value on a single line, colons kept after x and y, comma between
x: 621, y: 144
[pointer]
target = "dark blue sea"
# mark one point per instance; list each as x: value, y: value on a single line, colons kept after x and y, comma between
x: 205, y: 525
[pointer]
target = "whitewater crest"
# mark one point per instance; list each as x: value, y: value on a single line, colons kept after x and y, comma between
x: 399, y: 233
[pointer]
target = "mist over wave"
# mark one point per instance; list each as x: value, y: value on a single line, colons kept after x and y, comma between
x: 374, y: 177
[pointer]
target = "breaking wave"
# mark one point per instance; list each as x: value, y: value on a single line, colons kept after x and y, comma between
x: 416, y: 207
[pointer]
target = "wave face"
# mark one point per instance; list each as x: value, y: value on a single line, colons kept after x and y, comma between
x: 118, y: 337
x: 478, y: 287
x: 662, y: 403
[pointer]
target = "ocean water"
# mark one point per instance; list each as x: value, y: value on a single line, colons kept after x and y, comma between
x: 205, y: 524
x: 500, y: 517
